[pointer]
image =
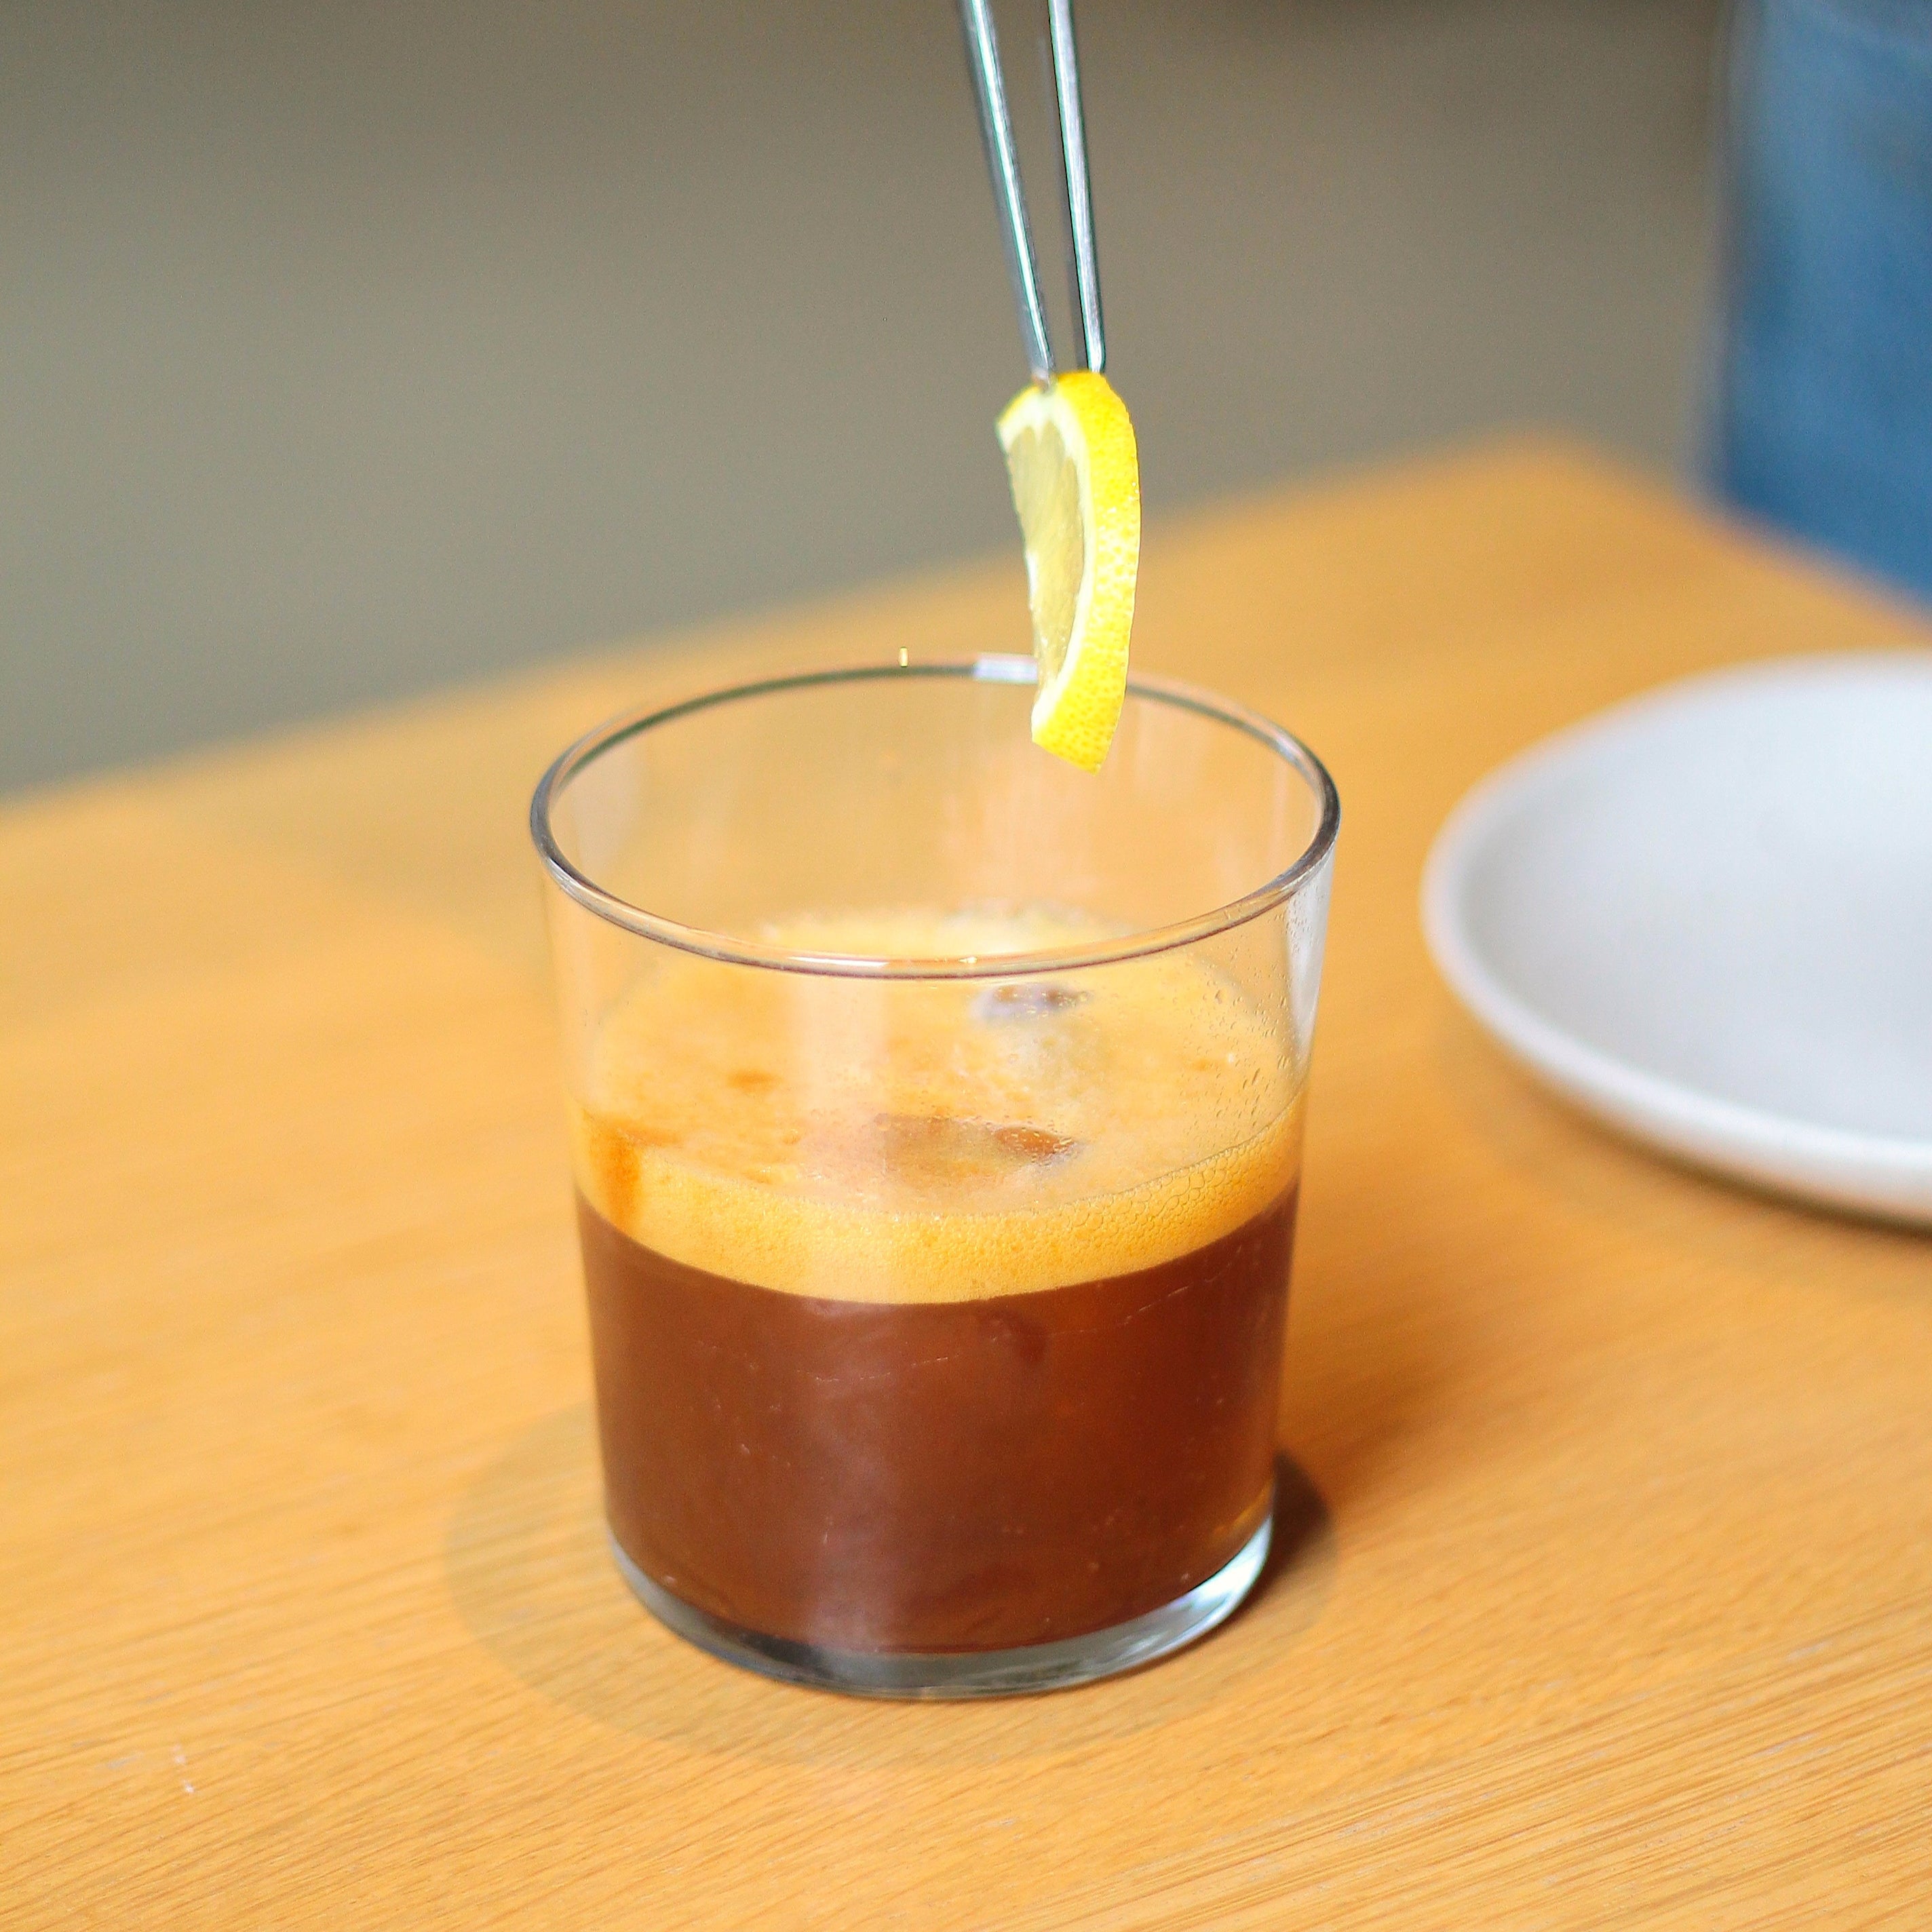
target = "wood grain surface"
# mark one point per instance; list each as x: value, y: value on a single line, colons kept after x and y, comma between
x: 1610, y: 1603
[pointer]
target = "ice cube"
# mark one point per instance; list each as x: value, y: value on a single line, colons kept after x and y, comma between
x: 1026, y: 1000
x: 942, y: 1150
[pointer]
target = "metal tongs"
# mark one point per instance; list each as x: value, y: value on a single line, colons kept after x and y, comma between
x: 996, y: 127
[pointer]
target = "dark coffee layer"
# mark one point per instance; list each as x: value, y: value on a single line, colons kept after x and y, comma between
x: 938, y: 1475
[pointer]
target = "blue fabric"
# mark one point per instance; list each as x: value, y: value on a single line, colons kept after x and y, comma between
x: 1822, y: 403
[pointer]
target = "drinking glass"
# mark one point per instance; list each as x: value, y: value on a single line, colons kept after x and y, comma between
x: 936, y: 1114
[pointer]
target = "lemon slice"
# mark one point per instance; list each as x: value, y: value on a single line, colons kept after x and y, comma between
x: 1076, y: 479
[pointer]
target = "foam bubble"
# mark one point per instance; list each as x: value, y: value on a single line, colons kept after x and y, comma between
x: 934, y: 1141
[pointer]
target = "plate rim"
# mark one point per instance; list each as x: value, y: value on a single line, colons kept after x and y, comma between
x: 1889, y: 1174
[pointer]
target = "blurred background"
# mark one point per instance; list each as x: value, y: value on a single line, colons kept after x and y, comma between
x: 348, y: 351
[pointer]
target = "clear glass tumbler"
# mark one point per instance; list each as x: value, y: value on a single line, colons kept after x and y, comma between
x: 936, y: 1115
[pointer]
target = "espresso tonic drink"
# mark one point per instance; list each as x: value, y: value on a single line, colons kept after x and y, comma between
x: 964, y: 1338
x: 936, y: 1115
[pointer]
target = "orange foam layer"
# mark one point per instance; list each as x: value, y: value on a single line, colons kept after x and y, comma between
x: 933, y: 1141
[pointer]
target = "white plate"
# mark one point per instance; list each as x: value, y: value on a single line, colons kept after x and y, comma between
x: 1705, y: 916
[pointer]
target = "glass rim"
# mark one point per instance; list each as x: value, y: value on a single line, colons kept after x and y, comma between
x: 985, y: 669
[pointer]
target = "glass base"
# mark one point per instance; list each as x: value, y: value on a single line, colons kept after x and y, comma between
x: 984, y: 1673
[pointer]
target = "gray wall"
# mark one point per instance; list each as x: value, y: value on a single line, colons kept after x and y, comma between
x: 348, y: 350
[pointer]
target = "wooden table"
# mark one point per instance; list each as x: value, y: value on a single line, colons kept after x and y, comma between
x: 1616, y: 1608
